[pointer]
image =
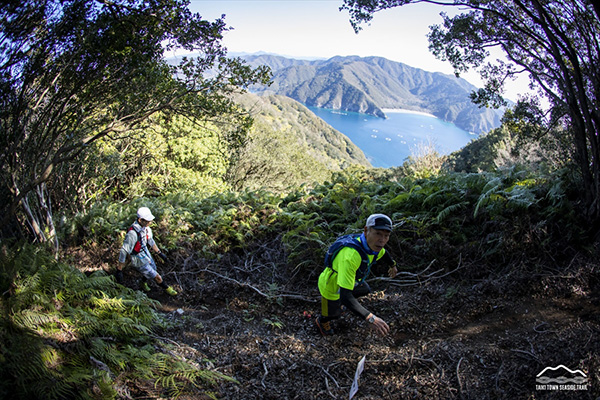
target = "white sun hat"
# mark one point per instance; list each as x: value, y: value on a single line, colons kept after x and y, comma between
x: 145, y: 213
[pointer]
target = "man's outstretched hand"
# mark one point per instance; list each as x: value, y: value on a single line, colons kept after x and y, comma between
x: 380, y: 326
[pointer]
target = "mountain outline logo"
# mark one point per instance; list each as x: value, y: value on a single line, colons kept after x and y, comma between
x: 561, y: 375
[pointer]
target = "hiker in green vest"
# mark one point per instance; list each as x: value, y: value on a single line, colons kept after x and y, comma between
x: 138, y: 242
x: 347, y: 264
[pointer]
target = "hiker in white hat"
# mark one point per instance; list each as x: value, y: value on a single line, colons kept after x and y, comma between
x: 137, y: 244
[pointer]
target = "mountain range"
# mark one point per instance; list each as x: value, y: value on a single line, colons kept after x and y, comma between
x: 370, y: 85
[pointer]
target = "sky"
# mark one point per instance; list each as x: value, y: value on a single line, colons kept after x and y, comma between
x: 312, y: 29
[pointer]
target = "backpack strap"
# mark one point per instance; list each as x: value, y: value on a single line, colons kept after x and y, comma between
x: 138, y: 245
x: 350, y: 240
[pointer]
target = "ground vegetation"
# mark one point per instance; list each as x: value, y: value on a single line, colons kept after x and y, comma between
x: 497, y: 281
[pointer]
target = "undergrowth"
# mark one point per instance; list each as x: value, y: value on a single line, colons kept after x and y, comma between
x: 65, y: 334
x: 495, y: 219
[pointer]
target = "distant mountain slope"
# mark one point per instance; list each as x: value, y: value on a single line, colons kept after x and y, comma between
x: 326, y: 145
x: 369, y: 85
x: 290, y: 146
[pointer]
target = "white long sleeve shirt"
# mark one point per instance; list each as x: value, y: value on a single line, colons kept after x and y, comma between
x: 131, y: 238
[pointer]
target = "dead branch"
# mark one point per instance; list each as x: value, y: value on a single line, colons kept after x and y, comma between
x: 326, y: 373
x: 419, y: 278
x: 262, y: 381
x: 243, y: 284
x: 460, y: 389
x: 527, y: 353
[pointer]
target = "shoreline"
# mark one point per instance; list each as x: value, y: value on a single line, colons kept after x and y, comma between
x: 405, y: 111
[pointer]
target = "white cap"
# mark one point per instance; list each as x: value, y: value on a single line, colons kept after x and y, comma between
x: 379, y: 221
x: 144, y: 213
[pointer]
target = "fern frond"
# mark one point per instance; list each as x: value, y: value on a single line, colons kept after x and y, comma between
x: 33, y: 319
x: 442, y: 215
x: 186, y: 375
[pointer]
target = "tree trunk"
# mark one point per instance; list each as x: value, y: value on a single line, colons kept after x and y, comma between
x: 39, y: 217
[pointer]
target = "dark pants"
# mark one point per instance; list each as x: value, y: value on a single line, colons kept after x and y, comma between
x: 332, y: 309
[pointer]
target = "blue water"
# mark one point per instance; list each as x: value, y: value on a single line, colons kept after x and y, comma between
x: 388, y: 142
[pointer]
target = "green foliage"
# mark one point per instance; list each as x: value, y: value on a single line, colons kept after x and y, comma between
x: 180, y: 374
x: 447, y: 217
x: 274, y: 323
x: 493, y: 217
x: 75, y: 72
x: 183, y: 157
x: 213, y: 225
x: 424, y: 162
x: 515, y: 144
x: 65, y: 334
x: 549, y: 41
x: 483, y: 153
x: 175, y: 157
x: 288, y: 146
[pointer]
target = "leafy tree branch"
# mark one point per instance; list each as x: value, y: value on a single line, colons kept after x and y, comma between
x: 73, y: 72
x: 555, y: 42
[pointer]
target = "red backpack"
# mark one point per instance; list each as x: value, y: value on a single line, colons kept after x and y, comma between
x: 138, y: 245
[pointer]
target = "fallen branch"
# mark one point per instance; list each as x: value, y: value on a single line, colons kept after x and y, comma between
x: 327, y: 387
x: 326, y: 373
x: 527, y: 353
x: 460, y: 386
x: 438, y: 367
x: 165, y: 339
x: 268, y: 296
x: 265, y: 375
x: 419, y: 278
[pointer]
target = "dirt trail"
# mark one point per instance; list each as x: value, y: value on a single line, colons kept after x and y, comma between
x: 484, y: 341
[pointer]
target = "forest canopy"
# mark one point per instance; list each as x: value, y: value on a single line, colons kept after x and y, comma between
x: 73, y: 72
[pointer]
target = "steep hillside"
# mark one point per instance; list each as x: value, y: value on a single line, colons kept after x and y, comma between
x: 495, y: 285
x: 325, y: 144
x: 290, y: 146
x: 370, y: 84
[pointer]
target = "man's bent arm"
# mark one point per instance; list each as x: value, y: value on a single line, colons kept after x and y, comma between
x: 353, y: 305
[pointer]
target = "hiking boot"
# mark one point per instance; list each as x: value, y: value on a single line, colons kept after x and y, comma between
x: 146, y: 287
x: 324, y: 327
x: 170, y: 291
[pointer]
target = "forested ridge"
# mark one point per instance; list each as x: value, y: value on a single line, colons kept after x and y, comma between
x: 371, y: 84
x: 496, y: 244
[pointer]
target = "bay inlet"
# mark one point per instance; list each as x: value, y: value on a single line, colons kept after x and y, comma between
x: 388, y: 142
